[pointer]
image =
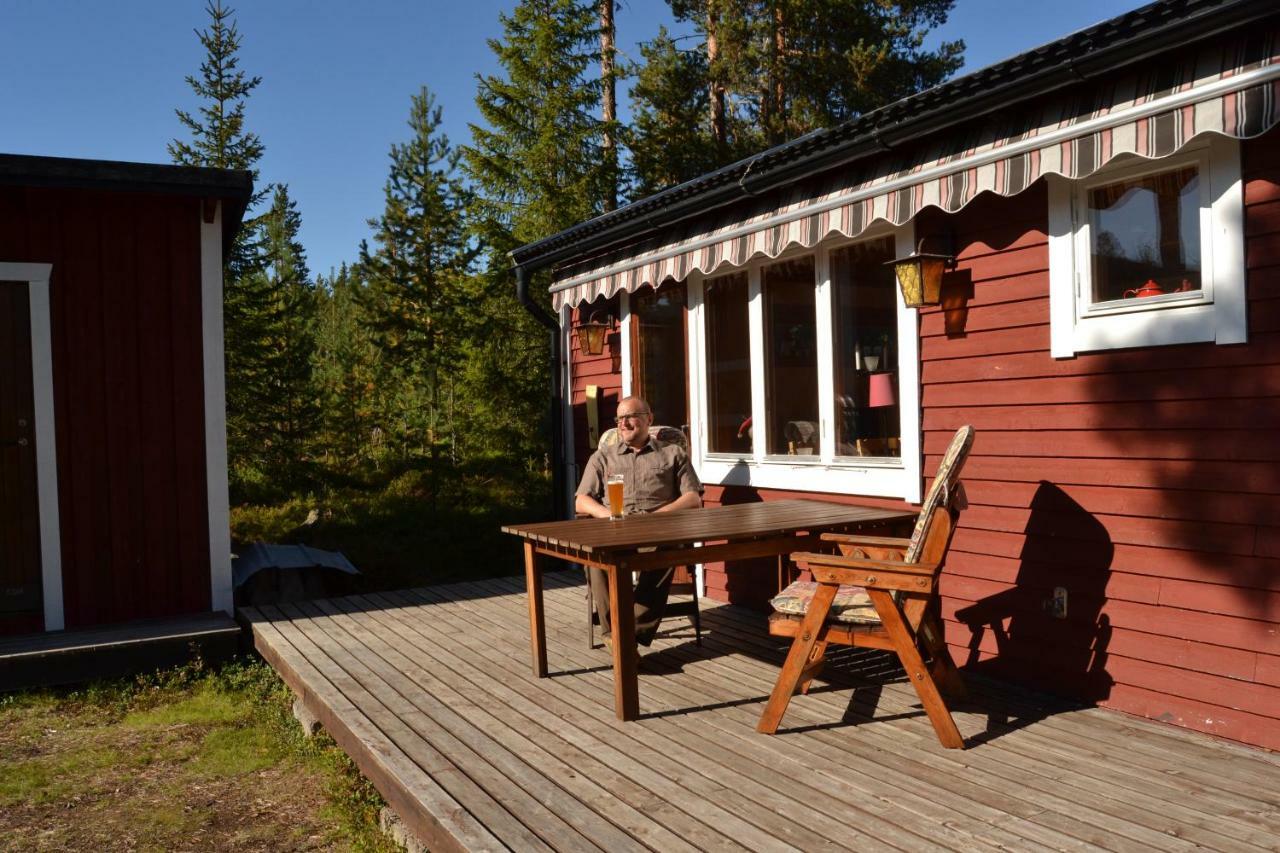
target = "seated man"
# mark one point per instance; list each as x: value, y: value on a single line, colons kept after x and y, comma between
x: 657, y: 477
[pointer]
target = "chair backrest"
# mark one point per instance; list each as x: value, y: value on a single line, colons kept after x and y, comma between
x: 664, y: 435
x: 942, y: 490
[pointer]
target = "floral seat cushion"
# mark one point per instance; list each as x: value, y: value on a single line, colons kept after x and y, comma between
x: 851, y: 604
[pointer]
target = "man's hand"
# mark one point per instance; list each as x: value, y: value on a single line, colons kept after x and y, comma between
x: 689, y: 500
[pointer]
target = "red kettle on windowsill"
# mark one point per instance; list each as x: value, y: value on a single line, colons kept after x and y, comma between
x: 1148, y: 289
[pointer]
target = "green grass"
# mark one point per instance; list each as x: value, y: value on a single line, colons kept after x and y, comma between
x: 156, y: 761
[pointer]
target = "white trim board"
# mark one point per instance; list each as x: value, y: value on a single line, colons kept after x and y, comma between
x: 37, y: 278
x: 215, y: 415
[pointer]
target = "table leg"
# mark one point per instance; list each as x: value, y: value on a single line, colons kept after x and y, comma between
x: 537, y: 624
x: 622, y: 622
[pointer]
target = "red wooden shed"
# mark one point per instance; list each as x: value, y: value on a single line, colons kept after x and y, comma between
x: 1111, y: 327
x: 113, y: 484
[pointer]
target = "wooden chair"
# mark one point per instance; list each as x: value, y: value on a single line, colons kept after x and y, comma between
x: 684, y: 583
x: 878, y: 593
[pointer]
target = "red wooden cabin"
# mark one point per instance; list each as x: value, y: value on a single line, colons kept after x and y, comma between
x: 1122, y: 543
x: 113, y: 485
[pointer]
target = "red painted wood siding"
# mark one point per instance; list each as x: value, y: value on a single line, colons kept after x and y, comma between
x: 128, y: 395
x: 596, y: 370
x: 1143, y: 481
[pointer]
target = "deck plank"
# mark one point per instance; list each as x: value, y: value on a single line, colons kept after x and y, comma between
x: 430, y: 692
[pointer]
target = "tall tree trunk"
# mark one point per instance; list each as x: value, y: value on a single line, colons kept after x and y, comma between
x: 776, y: 124
x: 610, y: 102
x: 718, y: 129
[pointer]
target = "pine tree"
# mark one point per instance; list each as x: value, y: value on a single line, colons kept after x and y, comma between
x: 418, y: 279
x: 537, y: 166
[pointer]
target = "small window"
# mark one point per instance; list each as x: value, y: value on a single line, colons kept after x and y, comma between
x: 1144, y: 235
x: 728, y: 365
x: 1146, y: 253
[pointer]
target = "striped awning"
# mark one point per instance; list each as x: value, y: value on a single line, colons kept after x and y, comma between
x: 1229, y: 88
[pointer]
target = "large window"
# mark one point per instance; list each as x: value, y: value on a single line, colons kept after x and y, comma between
x: 728, y: 365
x: 1144, y: 253
x: 804, y: 372
x: 865, y: 329
x: 658, y: 350
x: 791, y: 358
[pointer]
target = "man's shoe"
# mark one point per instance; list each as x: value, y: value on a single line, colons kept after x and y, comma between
x: 608, y: 646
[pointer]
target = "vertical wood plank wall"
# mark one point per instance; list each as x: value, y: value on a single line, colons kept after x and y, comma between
x: 128, y: 398
x: 1146, y: 482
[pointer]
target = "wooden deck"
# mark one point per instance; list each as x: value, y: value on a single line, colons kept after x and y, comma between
x: 431, y: 692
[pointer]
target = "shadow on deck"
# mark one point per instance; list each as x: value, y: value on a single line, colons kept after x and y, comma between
x: 431, y: 692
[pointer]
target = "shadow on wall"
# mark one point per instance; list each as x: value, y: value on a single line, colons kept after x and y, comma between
x: 749, y: 582
x: 1064, y: 546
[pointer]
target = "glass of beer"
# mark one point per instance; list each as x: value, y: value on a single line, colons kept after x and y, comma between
x: 613, y: 490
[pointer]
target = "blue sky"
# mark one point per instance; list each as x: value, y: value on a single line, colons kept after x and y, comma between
x: 101, y: 80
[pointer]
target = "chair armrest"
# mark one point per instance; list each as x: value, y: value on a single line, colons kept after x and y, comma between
x: 860, y: 539
x: 872, y: 574
x: 874, y: 547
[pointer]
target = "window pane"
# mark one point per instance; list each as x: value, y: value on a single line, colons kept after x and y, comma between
x: 658, y: 352
x: 1146, y: 230
x: 866, y: 350
x: 728, y: 365
x: 791, y: 358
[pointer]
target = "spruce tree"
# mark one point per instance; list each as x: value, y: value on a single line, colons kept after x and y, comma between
x: 252, y: 314
x: 670, y: 138
x: 776, y: 69
x: 289, y: 410
x: 419, y: 279
x: 346, y: 368
x: 538, y: 167
x: 218, y: 138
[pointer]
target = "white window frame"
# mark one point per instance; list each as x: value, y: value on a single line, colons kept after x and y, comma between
x: 1215, y: 313
x: 880, y: 477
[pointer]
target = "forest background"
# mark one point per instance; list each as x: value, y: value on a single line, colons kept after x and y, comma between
x: 397, y: 408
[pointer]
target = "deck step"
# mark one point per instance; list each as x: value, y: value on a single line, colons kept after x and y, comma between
x: 70, y: 657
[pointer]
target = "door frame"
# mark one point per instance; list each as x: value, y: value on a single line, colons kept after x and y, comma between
x: 37, y: 277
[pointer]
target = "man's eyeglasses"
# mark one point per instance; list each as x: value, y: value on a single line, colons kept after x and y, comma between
x: 632, y: 417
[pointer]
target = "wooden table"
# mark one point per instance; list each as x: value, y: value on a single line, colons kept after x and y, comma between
x: 656, y: 541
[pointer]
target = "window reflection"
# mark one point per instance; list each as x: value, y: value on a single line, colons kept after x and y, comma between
x: 1146, y: 230
x: 728, y: 365
x: 868, y: 421
x: 658, y: 352
x: 791, y: 358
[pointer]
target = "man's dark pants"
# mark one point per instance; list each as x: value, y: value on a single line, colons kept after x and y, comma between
x: 650, y: 598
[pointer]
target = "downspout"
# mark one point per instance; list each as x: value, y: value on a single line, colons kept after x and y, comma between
x: 557, y: 390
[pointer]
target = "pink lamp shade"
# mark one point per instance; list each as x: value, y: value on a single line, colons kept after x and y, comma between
x: 880, y: 390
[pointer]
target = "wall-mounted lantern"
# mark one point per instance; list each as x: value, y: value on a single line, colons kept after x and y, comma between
x: 591, y: 334
x: 920, y: 276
